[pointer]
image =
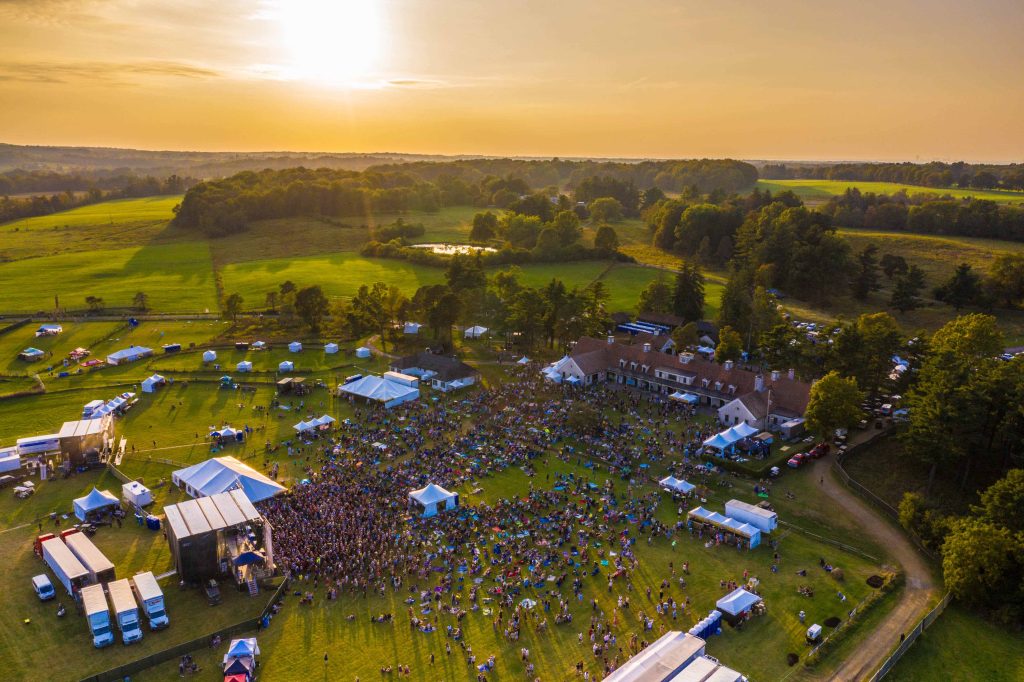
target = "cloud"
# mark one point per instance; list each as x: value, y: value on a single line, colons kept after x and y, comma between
x: 418, y: 83
x: 104, y: 72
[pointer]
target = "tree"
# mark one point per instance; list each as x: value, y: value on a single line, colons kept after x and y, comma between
x: 982, y: 565
x: 520, y: 230
x: 688, y: 293
x: 606, y: 239
x: 311, y: 305
x: 567, y: 226
x: 465, y: 272
x: 864, y: 349
x: 907, y: 289
x: 962, y: 288
x: 730, y: 345
x: 834, y: 403
x: 1005, y: 281
x: 893, y: 265
x: 140, y: 301
x: 444, y: 313
x: 271, y: 301
x: 605, y: 210
x: 686, y: 335
x: 287, y: 287
x: 656, y: 297
x: 485, y: 227
x: 233, y: 306
x: 95, y: 303
x: 1002, y: 502
x: 865, y: 279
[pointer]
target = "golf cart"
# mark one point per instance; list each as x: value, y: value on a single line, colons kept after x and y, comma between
x: 212, y: 592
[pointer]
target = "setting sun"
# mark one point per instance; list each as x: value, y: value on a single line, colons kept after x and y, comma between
x: 328, y: 41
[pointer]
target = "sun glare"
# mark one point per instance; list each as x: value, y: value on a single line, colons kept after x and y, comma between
x: 329, y: 41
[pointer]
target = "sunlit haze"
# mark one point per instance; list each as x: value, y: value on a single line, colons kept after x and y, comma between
x: 901, y: 79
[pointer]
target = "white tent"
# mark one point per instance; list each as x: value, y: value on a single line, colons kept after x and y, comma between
x: 209, y: 356
x: 136, y: 493
x: 412, y: 327
x: 362, y: 352
x: 475, y: 332
x: 677, y: 484
x: 294, y: 347
x: 93, y: 502
x: 286, y: 366
x: 331, y: 348
x: 744, y: 430
x: 244, y: 366
x: 304, y: 426
x: 688, y: 398
x: 523, y: 361
x: 381, y: 389
x: 258, y: 345
x: 152, y: 383
x: 737, y: 602
x: 223, y: 474
x: 432, y: 499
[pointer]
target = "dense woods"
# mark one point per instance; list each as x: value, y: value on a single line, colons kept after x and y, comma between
x: 933, y: 174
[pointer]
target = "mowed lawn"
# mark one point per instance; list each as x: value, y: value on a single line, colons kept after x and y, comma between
x: 107, y: 225
x: 177, y: 277
x: 75, y: 335
x: 991, y: 653
x: 819, y: 191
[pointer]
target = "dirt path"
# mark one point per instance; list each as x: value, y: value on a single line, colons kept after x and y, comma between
x: 917, y: 593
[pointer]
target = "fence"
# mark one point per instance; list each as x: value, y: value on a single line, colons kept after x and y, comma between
x: 918, y: 630
x: 133, y: 667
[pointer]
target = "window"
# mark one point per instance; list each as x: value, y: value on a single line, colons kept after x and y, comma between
x: 622, y: 364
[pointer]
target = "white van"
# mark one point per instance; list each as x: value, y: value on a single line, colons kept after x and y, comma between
x: 43, y: 587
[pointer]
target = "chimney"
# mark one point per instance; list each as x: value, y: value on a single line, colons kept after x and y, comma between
x: 759, y: 382
x: 647, y: 348
x: 728, y: 365
x: 611, y: 339
x: 792, y: 373
x: 776, y: 374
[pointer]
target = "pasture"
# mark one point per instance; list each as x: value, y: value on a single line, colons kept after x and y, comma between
x: 819, y: 191
x: 177, y: 277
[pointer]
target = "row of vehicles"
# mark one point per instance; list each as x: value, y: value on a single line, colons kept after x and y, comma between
x: 816, y: 452
x: 89, y: 578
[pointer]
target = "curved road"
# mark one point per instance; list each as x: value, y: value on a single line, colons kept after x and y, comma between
x: 917, y: 594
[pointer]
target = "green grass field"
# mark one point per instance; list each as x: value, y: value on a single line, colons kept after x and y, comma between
x: 176, y: 277
x: 992, y: 653
x: 819, y: 191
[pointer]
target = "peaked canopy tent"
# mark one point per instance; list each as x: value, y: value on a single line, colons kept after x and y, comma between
x: 718, y: 442
x: 314, y: 424
x: 737, y: 604
x: 258, y: 345
x: 94, y: 503
x: 294, y: 347
x: 523, y: 361
x: 744, y: 531
x: 362, y: 352
x: 244, y: 366
x: 152, y: 383
x: 222, y: 474
x: 743, y: 430
x: 475, y: 332
x: 286, y: 366
x: 49, y: 330
x: 688, y: 398
x: 209, y: 355
x: 677, y: 485
x: 430, y: 500
x: 330, y: 348
x: 381, y: 389
x: 243, y: 647
x: 31, y: 353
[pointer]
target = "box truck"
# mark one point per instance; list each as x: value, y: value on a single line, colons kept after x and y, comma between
x: 68, y: 569
x: 98, y: 615
x: 101, y: 569
x: 126, y: 611
x: 151, y: 600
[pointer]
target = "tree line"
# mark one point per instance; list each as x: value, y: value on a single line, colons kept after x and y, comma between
x: 933, y: 174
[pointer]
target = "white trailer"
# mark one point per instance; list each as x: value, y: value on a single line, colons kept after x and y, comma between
x: 763, y: 519
x: 126, y: 611
x: 68, y: 569
x: 101, y: 569
x: 151, y: 600
x: 98, y: 615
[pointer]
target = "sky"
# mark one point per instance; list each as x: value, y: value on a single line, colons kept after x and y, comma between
x: 914, y: 80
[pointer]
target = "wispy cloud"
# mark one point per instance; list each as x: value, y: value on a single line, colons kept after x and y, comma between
x: 106, y: 72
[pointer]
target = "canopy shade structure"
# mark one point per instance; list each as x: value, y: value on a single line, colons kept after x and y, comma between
x: 744, y: 430
x: 737, y: 602
x: 209, y: 355
x: 475, y: 332
x: 49, y: 330
x: 677, y: 484
x: 244, y: 366
x: 259, y: 345
x: 688, y: 398
x: 243, y: 647
x: 331, y: 348
x: 294, y: 347
x: 381, y: 390
x: 706, y: 350
x: 95, y: 501
x: 31, y: 353
x: 412, y: 328
x: 303, y: 426
x: 286, y: 366
x: 362, y: 352
x: 433, y: 499
x: 727, y: 524
x: 718, y: 441
x: 222, y: 474
x: 523, y: 361
x: 128, y: 355
x: 152, y: 383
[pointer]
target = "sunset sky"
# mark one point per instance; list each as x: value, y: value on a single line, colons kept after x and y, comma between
x: 874, y: 79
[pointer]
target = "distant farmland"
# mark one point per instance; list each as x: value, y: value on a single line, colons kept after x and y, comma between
x: 819, y: 191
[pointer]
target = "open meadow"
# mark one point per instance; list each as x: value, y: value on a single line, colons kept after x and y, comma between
x: 819, y: 191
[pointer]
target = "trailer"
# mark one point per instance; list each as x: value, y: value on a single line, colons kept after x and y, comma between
x: 764, y: 520
x: 151, y: 600
x: 97, y: 615
x: 65, y: 565
x: 126, y: 611
x: 101, y: 569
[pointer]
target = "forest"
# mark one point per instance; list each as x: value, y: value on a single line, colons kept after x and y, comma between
x: 933, y: 174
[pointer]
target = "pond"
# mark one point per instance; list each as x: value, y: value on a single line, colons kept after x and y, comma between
x: 452, y: 249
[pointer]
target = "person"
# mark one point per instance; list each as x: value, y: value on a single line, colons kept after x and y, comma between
x: 802, y: 617
x: 325, y: 658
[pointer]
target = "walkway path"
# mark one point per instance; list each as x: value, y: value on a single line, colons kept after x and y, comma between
x: 917, y: 594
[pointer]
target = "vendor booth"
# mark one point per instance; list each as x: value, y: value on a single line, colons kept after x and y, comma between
x: 362, y: 352
x: 389, y: 390
x: 294, y: 347
x: 94, y: 504
x: 431, y: 500
x: 330, y: 348
x: 152, y: 383
x: 244, y: 366
x: 209, y: 355
x: 764, y: 520
x: 677, y: 485
x: 726, y: 529
x: 738, y: 605
x: 286, y: 366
